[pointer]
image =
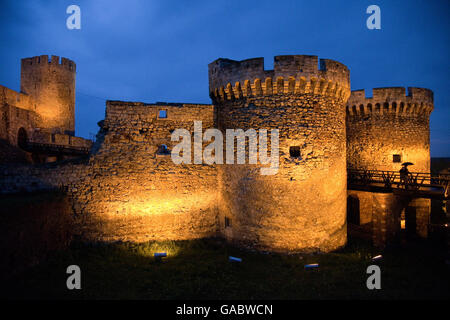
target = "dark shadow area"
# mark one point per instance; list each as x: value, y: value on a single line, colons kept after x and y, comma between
x: 22, y: 138
x: 32, y: 226
x: 10, y: 154
x: 440, y: 164
x: 410, y: 222
x: 200, y: 269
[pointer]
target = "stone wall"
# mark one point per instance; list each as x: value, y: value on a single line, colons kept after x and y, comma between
x: 387, y: 124
x: 135, y: 193
x: 60, y: 139
x: 16, y: 111
x: 362, y: 204
x: 302, y: 207
x: 126, y: 190
x: 17, y: 99
x: 26, y: 178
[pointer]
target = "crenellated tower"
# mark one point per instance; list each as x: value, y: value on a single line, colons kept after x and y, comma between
x: 302, y: 206
x: 389, y: 128
x: 52, y: 84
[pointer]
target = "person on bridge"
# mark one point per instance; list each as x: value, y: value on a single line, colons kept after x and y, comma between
x: 404, y: 174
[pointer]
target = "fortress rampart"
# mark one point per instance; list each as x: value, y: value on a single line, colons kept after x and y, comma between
x: 135, y: 191
x: 17, y: 99
x: 129, y: 188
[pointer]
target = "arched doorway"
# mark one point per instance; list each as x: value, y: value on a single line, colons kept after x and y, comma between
x: 22, y: 138
x: 353, y: 214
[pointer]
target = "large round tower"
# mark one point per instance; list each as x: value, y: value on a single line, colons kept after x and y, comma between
x: 302, y: 206
x: 52, y: 85
x: 389, y: 128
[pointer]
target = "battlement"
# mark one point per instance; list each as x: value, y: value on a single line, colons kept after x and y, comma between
x: 43, y: 60
x: 292, y: 74
x: 16, y: 99
x: 391, y: 100
x: 156, y: 104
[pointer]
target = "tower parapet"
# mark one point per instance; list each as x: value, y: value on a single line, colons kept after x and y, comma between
x: 292, y: 74
x: 54, y: 60
x: 52, y: 84
x: 393, y: 100
x: 389, y: 128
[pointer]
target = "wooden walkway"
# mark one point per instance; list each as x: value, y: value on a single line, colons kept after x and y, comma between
x: 417, y: 184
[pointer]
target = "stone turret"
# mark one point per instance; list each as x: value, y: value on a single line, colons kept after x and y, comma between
x: 52, y: 84
x: 302, y: 207
x: 384, y: 131
x: 389, y: 128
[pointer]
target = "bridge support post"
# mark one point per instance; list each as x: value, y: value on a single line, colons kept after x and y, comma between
x: 419, y: 211
x: 386, y: 210
x: 386, y: 214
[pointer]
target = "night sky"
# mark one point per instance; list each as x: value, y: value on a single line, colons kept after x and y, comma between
x: 159, y: 50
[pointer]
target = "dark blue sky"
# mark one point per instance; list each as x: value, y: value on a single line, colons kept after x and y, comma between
x: 159, y: 50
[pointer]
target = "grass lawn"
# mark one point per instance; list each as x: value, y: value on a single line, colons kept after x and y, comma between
x: 200, y: 269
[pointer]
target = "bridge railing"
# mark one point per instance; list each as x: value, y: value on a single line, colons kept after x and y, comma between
x: 392, y: 179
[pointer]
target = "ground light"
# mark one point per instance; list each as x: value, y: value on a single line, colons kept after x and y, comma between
x: 378, y: 257
x: 234, y: 259
x: 159, y: 255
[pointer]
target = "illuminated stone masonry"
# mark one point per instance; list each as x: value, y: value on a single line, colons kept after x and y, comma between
x: 384, y: 131
x: 389, y: 128
x: 129, y: 188
x: 43, y: 112
x: 302, y: 207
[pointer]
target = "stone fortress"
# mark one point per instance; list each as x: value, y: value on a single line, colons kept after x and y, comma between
x: 129, y: 189
x: 42, y: 113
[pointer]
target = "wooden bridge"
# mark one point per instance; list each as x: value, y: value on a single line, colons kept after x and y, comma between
x: 416, y: 184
